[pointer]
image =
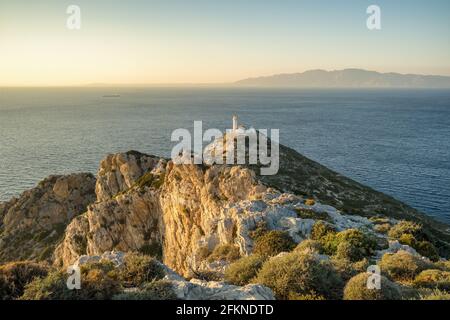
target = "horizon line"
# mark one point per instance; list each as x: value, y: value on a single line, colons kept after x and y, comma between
x: 233, y: 83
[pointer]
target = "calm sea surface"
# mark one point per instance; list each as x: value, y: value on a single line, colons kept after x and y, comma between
x: 396, y: 141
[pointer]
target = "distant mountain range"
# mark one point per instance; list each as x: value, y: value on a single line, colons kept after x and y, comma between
x: 351, y: 78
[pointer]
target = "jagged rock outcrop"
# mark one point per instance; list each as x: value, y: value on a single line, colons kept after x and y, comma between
x: 126, y: 215
x: 213, y: 290
x: 31, y: 224
x: 119, y: 172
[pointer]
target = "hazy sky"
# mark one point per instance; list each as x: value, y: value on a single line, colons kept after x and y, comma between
x: 211, y: 41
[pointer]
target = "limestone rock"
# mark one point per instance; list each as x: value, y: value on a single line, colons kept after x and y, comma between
x: 119, y: 172
x: 32, y: 223
x: 126, y: 215
x: 203, y: 290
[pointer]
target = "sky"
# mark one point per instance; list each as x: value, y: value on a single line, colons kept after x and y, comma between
x: 211, y: 41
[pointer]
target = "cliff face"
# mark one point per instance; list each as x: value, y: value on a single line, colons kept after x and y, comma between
x: 198, y: 214
x: 126, y: 215
x: 31, y: 225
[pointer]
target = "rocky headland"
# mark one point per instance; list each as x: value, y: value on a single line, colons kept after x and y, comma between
x: 218, y: 232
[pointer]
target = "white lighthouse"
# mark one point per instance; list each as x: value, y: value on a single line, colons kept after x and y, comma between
x: 235, y: 123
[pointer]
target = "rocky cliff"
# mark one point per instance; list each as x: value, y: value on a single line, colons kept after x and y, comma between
x: 193, y: 217
x: 31, y: 225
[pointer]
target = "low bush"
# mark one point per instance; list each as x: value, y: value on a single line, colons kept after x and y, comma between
x: 272, y: 243
x: 52, y: 287
x: 309, y: 246
x: 98, y: 282
x: 427, y: 249
x: 300, y: 274
x: 407, y: 227
x: 348, y: 269
x: 356, y: 289
x: 321, y: 229
x: 242, y: 271
x: 435, y: 295
x: 412, y: 234
x: 382, y: 228
x: 156, y: 290
x: 433, y: 279
x: 350, y: 244
x: 311, y: 214
x: 138, y: 269
x: 443, y: 265
x: 259, y: 230
x: 14, y: 276
x: 402, y: 266
x: 227, y: 252
x: 304, y: 297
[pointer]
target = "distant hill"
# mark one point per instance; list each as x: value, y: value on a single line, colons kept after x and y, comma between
x: 351, y: 78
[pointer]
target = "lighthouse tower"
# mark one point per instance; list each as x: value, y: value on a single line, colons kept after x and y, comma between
x: 235, y: 122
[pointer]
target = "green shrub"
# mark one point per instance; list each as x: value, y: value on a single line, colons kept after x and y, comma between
x: 402, y: 266
x: 435, y: 295
x: 242, y: 271
x: 260, y: 229
x: 311, y: 214
x: 348, y: 269
x: 309, y: 245
x: 304, y: 297
x: 443, y: 265
x: 350, y: 244
x: 407, y: 227
x: 156, y: 290
x: 227, y: 252
x: 52, y: 287
x: 139, y: 269
x: 408, y: 239
x: 356, y: 289
x: 300, y: 274
x: 150, y: 180
x: 382, y: 228
x: 409, y: 293
x: 427, y: 249
x: 273, y: 243
x: 321, y: 229
x: 412, y: 234
x: 433, y: 279
x: 346, y: 251
x: 98, y: 282
x: 14, y: 276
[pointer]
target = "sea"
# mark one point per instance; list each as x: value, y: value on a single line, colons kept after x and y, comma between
x: 396, y: 141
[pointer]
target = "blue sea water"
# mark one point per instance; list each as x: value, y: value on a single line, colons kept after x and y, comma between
x: 396, y: 141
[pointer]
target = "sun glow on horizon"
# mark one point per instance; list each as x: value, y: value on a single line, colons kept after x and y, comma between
x: 201, y: 42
